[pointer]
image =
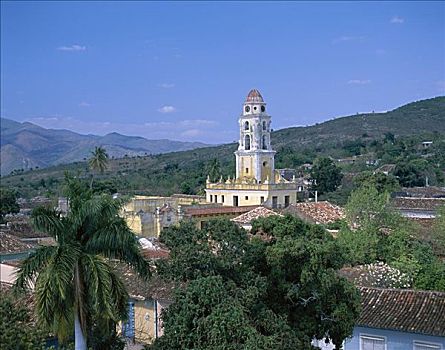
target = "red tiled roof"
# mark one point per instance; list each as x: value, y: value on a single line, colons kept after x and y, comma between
x: 218, y: 210
x: 254, y: 96
x: 259, y: 212
x: 320, y: 212
x: 417, y: 203
x: 403, y: 310
x: 425, y: 192
x: 11, y: 244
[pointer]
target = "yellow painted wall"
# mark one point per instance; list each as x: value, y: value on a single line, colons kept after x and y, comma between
x: 266, y: 171
x: 247, y: 163
x: 134, y: 223
x: 252, y: 197
x: 144, y: 321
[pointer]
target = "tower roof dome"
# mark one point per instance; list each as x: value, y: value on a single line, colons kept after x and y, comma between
x: 254, y: 96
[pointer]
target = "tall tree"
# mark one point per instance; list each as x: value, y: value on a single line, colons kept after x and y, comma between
x: 8, y: 202
x: 98, y: 161
x: 74, y: 282
x: 241, y: 293
x: 325, y: 175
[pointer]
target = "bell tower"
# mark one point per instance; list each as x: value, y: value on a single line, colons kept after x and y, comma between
x: 255, y: 157
x: 256, y: 181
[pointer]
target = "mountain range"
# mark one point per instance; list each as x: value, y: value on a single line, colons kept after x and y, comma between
x: 26, y: 145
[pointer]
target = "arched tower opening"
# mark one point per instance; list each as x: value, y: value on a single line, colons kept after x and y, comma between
x: 247, y: 142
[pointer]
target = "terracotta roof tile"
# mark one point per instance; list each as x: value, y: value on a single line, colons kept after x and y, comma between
x: 254, y: 96
x: 417, y: 203
x: 11, y: 244
x: 403, y: 310
x: 259, y: 212
x: 319, y: 213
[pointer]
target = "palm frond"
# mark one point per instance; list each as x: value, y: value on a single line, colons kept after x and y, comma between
x: 105, y: 291
x: 32, y: 266
x: 47, y: 220
x: 117, y: 241
x: 54, y: 310
x: 99, y: 159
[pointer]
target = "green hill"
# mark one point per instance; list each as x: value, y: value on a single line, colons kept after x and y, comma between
x: 426, y: 116
x: 186, y: 171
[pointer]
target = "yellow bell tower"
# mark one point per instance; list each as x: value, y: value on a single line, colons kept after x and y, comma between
x: 256, y: 181
x: 255, y: 157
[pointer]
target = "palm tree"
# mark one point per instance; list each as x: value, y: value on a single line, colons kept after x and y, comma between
x: 74, y: 282
x: 98, y: 161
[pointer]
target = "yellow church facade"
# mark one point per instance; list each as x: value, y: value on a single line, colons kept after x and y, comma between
x: 256, y: 182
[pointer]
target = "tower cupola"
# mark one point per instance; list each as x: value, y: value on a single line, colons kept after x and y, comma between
x: 254, y: 103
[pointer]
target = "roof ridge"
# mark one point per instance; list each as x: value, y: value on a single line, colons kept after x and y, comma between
x: 403, y: 290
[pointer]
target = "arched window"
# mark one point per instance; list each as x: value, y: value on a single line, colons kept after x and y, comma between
x: 247, y: 142
x: 246, y: 126
x: 264, y: 142
x: 264, y: 125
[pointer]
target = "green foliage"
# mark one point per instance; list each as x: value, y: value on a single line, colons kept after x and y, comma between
x: 410, y: 174
x: 438, y: 232
x: 354, y: 147
x: 359, y: 247
x: 326, y: 174
x: 214, y: 170
x: 254, y: 294
x: 17, y: 330
x: 8, y: 202
x: 367, y: 209
x: 99, y: 160
x: 380, y: 234
x: 74, y: 277
x: 381, y: 182
x: 288, y: 157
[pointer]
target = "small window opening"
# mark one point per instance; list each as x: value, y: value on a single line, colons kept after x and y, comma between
x: 247, y: 142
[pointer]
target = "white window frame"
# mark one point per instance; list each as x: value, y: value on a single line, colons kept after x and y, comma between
x: 372, y: 336
x: 433, y: 346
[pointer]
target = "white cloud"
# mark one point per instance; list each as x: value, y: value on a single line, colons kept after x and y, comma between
x: 346, y: 38
x: 84, y: 104
x: 191, y: 133
x: 397, y: 20
x: 167, y: 85
x: 359, y: 82
x: 167, y: 109
x: 74, y: 47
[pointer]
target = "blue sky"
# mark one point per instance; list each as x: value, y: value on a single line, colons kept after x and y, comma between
x: 181, y: 70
